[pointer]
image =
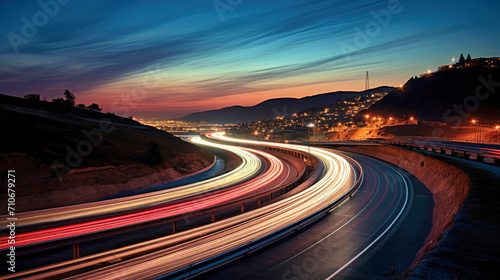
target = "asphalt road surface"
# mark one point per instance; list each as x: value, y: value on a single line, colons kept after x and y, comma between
x: 374, y: 235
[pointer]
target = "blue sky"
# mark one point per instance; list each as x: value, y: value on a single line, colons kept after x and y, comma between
x: 169, y: 58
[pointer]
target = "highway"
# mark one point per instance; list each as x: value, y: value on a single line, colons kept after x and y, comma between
x: 342, y: 245
x: 250, y: 227
x: 276, y: 174
x: 336, y: 247
x: 173, y: 252
x: 248, y: 169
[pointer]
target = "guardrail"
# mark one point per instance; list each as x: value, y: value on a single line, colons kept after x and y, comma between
x: 231, y: 255
x: 460, y: 150
x: 483, y: 152
x: 273, y: 193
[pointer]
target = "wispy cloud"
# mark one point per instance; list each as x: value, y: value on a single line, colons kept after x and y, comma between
x: 261, y: 46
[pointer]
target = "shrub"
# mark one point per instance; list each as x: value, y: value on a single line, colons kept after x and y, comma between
x: 32, y: 96
x: 94, y: 107
x: 155, y: 153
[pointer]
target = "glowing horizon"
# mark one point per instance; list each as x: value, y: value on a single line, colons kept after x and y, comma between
x: 187, y: 57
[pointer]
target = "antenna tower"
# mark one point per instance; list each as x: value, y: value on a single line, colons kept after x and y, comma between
x: 367, y: 82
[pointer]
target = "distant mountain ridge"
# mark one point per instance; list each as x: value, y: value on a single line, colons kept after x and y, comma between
x: 275, y: 107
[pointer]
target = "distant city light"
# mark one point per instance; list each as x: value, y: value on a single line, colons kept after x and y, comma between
x: 474, y: 121
x: 367, y: 116
x: 310, y: 125
x: 497, y: 127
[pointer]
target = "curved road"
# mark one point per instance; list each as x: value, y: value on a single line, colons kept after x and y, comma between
x: 277, y: 172
x: 177, y: 251
x: 337, y: 247
x: 249, y: 168
x: 342, y: 245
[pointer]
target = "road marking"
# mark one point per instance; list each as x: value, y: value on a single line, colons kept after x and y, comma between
x: 332, y: 233
x: 382, y: 234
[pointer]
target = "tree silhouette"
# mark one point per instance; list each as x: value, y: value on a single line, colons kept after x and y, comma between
x: 462, y: 59
x: 469, y: 58
x: 94, y: 107
x: 59, y: 101
x: 32, y: 96
x: 70, y: 98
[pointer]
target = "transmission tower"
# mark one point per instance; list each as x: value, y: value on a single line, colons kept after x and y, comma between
x: 367, y: 83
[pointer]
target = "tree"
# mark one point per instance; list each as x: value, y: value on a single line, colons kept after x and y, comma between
x: 81, y: 106
x: 59, y: 101
x: 155, y: 152
x: 70, y: 98
x: 32, y: 96
x: 469, y: 59
x: 462, y: 59
x: 94, y: 107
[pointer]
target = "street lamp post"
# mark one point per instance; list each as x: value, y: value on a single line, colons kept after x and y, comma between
x: 309, y: 141
x: 477, y: 131
x: 479, y: 127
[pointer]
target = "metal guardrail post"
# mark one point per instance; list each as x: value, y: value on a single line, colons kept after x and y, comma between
x: 76, y: 250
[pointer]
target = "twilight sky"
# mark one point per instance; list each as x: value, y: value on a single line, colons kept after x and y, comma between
x: 172, y: 58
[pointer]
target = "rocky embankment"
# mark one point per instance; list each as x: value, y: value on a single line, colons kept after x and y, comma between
x: 449, y: 186
x: 92, y: 183
x: 470, y: 249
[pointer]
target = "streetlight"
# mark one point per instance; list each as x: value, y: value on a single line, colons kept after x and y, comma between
x: 478, y: 129
x: 309, y: 140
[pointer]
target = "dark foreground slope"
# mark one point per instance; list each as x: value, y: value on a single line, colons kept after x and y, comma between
x: 275, y: 107
x: 453, y: 96
x: 65, y: 155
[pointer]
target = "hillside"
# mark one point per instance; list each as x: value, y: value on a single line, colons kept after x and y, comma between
x: 274, y: 107
x: 66, y: 155
x: 437, y: 97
